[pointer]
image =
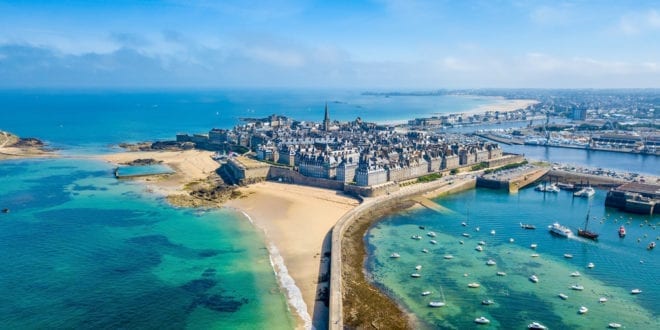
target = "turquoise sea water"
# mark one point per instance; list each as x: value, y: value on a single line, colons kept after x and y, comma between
x: 620, y: 264
x: 83, y: 250
x: 80, y: 249
x: 127, y: 171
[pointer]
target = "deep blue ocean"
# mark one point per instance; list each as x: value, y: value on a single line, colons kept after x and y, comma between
x: 83, y: 250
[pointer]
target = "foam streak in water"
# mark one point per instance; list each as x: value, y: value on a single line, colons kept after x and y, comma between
x: 293, y: 293
x: 286, y: 281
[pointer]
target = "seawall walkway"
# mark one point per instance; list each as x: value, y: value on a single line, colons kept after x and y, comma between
x: 445, y: 185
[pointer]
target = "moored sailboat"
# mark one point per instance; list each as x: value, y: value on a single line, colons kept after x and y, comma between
x: 586, y: 233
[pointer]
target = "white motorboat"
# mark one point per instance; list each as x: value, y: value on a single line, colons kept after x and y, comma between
x: 492, y: 232
x: 560, y: 230
x: 577, y: 287
x: 535, y: 255
x: 487, y: 302
x: 431, y: 234
x: 449, y: 256
x: 602, y: 300
x: 479, y: 248
x: 466, y: 235
x: 536, y: 326
x: 501, y: 274
x: 635, y: 291
x: 426, y: 293
x: 415, y: 275
x: 481, y: 243
x: 416, y: 237
x: 425, y: 250
x: 568, y: 256
x: 591, y: 265
x: 481, y: 320
x: 583, y: 310
x: 473, y: 285
x: 436, y: 304
x: 433, y: 241
x: 575, y: 274
x: 614, y: 325
x: 418, y: 267
x: 533, y: 246
x: 552, y: 188
x: 464, y: 224
x: 585, y: 192
x: 534, y: 278
x: 395, y: 255
x: 491, y: 262
x: 563, y: 296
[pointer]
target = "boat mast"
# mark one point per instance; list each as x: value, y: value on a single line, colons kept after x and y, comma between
x: 586, y: 223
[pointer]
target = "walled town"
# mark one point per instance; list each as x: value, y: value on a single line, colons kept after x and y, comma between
x: 358, y: 157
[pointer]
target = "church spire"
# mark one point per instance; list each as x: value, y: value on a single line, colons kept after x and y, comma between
x: 326, y: 119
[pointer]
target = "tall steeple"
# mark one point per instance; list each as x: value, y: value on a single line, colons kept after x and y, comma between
x: 326, y: 119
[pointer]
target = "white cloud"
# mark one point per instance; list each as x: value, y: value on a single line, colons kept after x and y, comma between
x: 560, y: 14
x: 640, y: 22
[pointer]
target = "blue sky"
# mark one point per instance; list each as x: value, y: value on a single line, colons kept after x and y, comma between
x: 388, y: 44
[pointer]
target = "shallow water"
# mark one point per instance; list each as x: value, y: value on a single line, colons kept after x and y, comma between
x: 81, y: 250
x: 620, y: 264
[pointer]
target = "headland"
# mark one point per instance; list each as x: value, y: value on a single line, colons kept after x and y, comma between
x: 14, y: 147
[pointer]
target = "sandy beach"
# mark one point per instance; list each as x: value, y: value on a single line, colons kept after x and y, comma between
x: 298, y: 220
x: 189, y: 165
x: 502, y: 105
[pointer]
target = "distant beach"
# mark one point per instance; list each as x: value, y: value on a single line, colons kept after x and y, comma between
x: 502, y: 105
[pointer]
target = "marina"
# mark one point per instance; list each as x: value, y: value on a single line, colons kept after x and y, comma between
x: 531, y: 285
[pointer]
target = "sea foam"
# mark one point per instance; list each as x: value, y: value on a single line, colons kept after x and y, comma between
x: 293, y: 293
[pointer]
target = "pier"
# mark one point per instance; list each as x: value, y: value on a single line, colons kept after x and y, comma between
x: 635, y: 197
x: 511, y: 180
x: 431, y: 205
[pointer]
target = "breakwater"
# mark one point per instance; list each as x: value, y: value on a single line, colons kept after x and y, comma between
x: 513, y: 180
x: 371, y: 207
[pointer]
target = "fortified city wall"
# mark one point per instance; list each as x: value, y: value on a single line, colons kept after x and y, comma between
x: 336, y: 317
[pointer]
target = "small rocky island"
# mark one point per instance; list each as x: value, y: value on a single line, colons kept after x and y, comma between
x: 13, y: 146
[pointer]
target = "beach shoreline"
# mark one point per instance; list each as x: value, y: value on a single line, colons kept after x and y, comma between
x: 502, y: 105
x: 295, y: 220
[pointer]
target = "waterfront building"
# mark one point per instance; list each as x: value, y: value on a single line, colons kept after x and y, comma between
x: 370, y: 175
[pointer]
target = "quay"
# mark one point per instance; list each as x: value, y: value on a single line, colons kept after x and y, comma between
x: 512, y: 180
x: 431, y: 205
x: 635, y: 197
x: 500, y: 139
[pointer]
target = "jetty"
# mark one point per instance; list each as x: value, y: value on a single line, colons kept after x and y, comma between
x: 512, y: 180
x: 431, y: 205
x: 635, y: 197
